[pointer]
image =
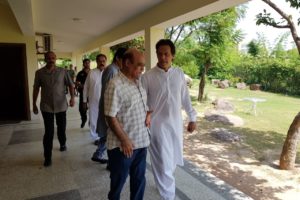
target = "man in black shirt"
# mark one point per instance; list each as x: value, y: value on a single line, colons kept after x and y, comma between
x: 80, y: 80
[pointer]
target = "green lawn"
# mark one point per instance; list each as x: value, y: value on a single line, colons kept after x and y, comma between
x: 266, y: 130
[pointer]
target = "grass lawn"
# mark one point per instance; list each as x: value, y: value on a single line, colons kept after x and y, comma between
x: 266, y: 130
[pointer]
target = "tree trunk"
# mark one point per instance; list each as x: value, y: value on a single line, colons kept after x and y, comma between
x: 289, y: 150
x: 201, y: 86
x: 207, y: 65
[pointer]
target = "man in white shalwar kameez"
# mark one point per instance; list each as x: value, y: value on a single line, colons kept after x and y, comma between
x: 167, y: 94
x: 92, y: 93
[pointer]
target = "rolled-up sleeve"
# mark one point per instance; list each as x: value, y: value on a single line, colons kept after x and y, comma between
x: 37, y: 81
x: 112, y: 100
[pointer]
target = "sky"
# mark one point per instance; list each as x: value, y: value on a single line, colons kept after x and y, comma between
x: 250, y: 29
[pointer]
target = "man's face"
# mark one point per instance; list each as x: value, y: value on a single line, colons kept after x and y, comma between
x: 137, y: 67
x: 86, y: 64
x: 101, y: 62
x: 164, y: 56
x: 50, y: 58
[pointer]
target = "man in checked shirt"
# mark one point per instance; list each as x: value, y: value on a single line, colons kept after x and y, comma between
x: 127, y: 137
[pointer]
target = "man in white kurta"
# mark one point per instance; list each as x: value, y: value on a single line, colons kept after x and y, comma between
x: 167, y: 94
x: 92, y: 93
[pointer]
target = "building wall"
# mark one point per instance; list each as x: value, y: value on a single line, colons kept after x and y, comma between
x: 11, y: 33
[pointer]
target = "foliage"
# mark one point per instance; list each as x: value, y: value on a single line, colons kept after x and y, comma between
x: 278, y: 50
x: 253, y: 48
x: 274, y: 74
x: 138, y: 43
x: 185, y: 59
x: 286, y: 20
x: 92, y: 56
x: 210, y: 37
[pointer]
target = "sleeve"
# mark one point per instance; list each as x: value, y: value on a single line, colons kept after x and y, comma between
x: 144, y: 83
x: 86, y: 87
x: 186, y: 100
x: 77, y: 77
x: 68, y: 79
x: 37, y: 81
x: 107, y: 76
x: 112, y: 100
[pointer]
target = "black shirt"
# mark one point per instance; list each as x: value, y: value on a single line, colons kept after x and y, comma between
x: 81, y: 76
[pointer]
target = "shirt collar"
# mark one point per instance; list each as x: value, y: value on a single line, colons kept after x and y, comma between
x: 125, y: 79
x: 163, y: 71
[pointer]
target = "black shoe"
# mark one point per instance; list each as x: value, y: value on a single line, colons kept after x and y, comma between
x: 101, y: 161
x: 47, y: 163
x: 63, y: 148
x: 82, y: 124
x: 97, y: 142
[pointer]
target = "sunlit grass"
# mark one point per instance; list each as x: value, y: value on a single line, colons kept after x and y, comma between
x: 273, y: 118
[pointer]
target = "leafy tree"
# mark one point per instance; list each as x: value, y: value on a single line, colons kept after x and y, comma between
x: 286, y: 20
x: 258, y: 47
x: 92, y: 56
x: 214, y: 34
x: 186, y: 59
x: 138, y: 43
x: 289, y: 151
x: 279, y: 48
x: 253, y: 48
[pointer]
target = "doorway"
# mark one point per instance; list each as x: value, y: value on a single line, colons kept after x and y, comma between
x: 14, y: 100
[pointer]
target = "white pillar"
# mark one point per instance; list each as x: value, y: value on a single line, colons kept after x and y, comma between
x: 152, y: 36
x: 77, y: 60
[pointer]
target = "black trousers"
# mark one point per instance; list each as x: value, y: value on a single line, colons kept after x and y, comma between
x: 61, y: 123
x: 82, y: 111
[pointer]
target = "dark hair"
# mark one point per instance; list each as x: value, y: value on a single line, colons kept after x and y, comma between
x: 167, y: 42
x: 119, y: 53
x: 47, y: 53
x: 128, y: 55
x: 86, y: 59
x: 100, y: 55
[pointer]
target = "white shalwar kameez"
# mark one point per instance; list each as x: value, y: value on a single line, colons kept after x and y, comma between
x: 167, y: 94
x: 91, y: 94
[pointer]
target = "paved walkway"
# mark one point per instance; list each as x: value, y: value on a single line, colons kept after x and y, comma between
x: 73, y: 176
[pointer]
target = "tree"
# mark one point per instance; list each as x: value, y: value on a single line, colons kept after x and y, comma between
x: 287, y: 20
x: 289, y: 150
x: 92, y: 56
x: 278, y: 50
x: 214, y: 35
x: 258, y: 47
x: 253, y: 48
x: 138, y: 43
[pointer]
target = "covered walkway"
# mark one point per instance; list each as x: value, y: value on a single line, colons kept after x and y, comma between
x: 73, y: 176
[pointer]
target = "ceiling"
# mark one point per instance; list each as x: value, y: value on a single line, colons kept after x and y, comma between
x: 74, y: 23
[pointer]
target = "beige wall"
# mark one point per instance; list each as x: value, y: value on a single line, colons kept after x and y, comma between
x: 10, y: 33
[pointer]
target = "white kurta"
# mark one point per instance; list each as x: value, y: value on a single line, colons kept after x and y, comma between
x: 91, y: 94
x: 167, y: 94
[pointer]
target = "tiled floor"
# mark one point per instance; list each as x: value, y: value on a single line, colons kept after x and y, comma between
x: 73, y: 176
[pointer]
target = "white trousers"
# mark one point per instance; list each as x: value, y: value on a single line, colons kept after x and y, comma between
x: 163, y: 172
x: 93, y: 114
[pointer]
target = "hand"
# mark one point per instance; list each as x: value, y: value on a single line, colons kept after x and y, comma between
x: 191, y: 126
x: 148, y: 120
x: 127, y: 147
x: 35, y: 109
x: 72, y: 102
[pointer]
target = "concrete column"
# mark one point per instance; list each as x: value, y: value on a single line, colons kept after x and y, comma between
x: 77, y: 60
x: 152, y: 36
x: 106, y: 51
